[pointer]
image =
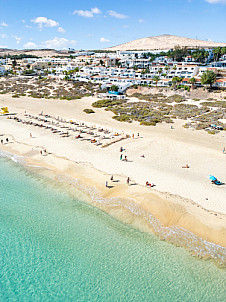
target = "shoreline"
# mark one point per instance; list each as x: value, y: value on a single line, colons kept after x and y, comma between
x: 172, y: 218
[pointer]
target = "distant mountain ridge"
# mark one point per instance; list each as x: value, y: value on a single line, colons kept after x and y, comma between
x: 35, y: 52
x: 164, y: 42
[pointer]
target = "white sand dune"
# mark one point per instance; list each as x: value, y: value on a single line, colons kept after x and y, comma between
x: 164, y: 42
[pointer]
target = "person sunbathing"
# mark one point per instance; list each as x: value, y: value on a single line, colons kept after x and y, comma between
x: 216, y: 182
x: 149, y: 184
x: 186, y: 166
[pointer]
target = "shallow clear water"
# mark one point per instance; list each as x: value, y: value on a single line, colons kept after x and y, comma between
x: 54, y: 247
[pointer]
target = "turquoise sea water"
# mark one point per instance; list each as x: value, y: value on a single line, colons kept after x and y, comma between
x: 55, y: 247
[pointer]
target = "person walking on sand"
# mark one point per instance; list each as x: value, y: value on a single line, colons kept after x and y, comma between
x: 30, y: 135
x: 224, y: 150
x: 125, y: 158
x: 106, y: 184
x: 121, y: 157
x: 112, y: 178
x: 128, y: 180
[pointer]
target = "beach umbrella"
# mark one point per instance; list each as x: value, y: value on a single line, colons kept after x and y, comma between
x: 211, y: 177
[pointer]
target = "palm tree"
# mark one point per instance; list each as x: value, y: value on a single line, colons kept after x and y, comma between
x: 192, y: 81
x: 166, y: 68
x: 160, y: 70
x: 176, y: 80
x: 216, y: 53
x: 208, y: 77
x: 156, y: 80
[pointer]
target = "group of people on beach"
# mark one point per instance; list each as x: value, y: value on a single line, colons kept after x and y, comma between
x: 133, y: 135
x: 2, y: 140
x: 128, y: 182
x: 112, y: 179
x: 43, y: 152
x: 121, y: 155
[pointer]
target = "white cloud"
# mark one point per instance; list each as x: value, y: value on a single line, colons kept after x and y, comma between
x: 29, y: 45
x: 103, y: 40
x: 216, y: 1
x: 4, y: 24
x: 3, y: 36
x: 43, y: 21
x: 87, y: 13
x: 3, y: 46
x: 28, y: 26
x: 116, y: 15
x: 141, y: 21
x: 18, y: 39
x: 61, y: 30
x: 23, y: 21
x: 58, y: 43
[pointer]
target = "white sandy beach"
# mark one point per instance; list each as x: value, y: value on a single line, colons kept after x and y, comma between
x: 165, y: 151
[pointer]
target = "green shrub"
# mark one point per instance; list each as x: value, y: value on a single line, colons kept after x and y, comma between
x: 145, y: 123
x: 68, y: 98
x: 221, y: 104
x: 107, y: 103
x: 122, y: 118
x: 89, y: 111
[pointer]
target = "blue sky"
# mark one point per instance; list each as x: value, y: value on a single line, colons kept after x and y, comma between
x: 95, y: 24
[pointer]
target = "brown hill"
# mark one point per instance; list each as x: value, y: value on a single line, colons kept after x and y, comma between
x: 165, y: 42
x: 35, y: 52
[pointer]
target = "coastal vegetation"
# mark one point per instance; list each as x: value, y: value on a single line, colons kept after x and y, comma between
x: 47, y: 88
x: 152, y: 109
x: 178, y: 54
x: 208, y: 78
x: 148, y: 110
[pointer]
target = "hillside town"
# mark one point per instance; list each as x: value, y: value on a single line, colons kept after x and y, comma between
x: 122, y: 69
